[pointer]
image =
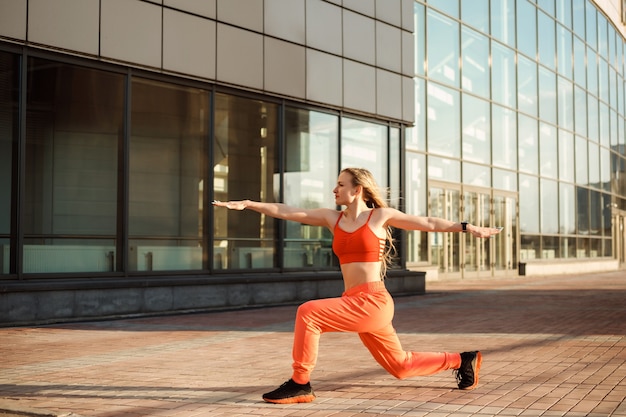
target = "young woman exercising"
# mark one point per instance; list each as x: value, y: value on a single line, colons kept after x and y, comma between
x: 362, y: 242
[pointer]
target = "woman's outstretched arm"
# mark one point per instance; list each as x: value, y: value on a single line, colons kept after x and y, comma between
x: 313, y: 217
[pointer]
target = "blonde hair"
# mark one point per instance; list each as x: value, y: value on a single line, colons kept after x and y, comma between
x: 373, y: 199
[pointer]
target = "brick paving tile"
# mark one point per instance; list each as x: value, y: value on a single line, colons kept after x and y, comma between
x: 552, y: 346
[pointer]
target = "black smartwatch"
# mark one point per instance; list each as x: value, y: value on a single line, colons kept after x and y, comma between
x: 464, y: 226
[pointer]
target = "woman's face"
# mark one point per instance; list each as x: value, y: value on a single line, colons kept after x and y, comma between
x: 345, y: 192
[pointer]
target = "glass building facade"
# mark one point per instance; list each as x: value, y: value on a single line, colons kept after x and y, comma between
x: 519, y: 123
x: 498, y: 112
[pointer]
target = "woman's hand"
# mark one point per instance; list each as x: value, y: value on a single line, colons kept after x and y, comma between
x: 483, y: 232
x: 232, y: 205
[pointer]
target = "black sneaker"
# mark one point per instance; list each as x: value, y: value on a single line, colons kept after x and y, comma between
x: 467, y: 374
x: 290, y: 392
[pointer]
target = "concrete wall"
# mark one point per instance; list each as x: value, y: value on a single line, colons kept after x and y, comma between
x: 25, y: 303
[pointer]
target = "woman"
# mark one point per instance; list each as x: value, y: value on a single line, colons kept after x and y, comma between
x: 362, y: 242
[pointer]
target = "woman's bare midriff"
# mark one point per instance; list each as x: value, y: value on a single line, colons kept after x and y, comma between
x: 357, y: 273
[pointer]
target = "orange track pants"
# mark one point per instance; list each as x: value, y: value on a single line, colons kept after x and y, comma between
x: 366, y: 309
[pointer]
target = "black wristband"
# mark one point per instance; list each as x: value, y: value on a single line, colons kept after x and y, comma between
x: 464, y: 226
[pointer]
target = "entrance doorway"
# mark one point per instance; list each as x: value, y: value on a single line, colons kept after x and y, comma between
x: 463, y: 255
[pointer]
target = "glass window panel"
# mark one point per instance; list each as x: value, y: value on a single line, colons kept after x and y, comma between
x: 365, y: 145
x: 582, y: 210
x: 503, y: 75
x: 582, y: 170
x: 528, y: 145
x: 547, y: 34
x: 504, y: 137
x: 444, y: 121
x: 503, y: 21
x: 527, y: 86
x: 566, y: 104
x: 549, y: 247
x: 612, y: 88
x: 504, y: 180
x: 548, y: 6
x: 417, y: 204
x: 475, y: 62
x: 603, y: 80
x: 548, y: 155
x: 476, y: 14
x: 591, y: 25
x: 618, y: 169
x: 605, y: 169
x: 73, y: 125
x: 9, y: 131
x: 594, y: 164
x: 527, y: 18
x: 564, y: 12
x: 530, y: 247
x: 578, y: 16
x: 547, y: 95
x: 476, y: 129
x: 450, y: 7
x: 567, y: 209
x: 444, y: 169
x: 566, y: 156
x: 593, y: 113
x: 419, y: 37
x: 528, y: 207
x: 443, y: 63
x: 613, y: 123
x: 416, y: 135
x: 580, y: 110
x: 477, y: 175
x: 592, y: 72
x: 166, y: 164
x: 564, y: 51
x: 603, y: 41
x: 310, y: 174
x: 580, y: 62
x: 604, y: 124
x: 245, y: 166
x: 596, y: 211
x: 582, y: 248
x: 549, y: 216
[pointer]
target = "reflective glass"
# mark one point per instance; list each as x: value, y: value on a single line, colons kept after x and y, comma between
x: 527, y: 18
x: 549, y: 247
x: 476, y: 175
x: 547, y: 95
x: 503, y: 21
x: 245, y: 166
x: 310, y: 175
x: 9, y: 131
x: 548, y: 6
x: 416, y: 203
x: 605, y: 169
x: 476, y: 14
x: 618, y: 168
x: 443, y: 63
x: 503, y: 75
x: 444, y: 169
x: 580, y: 109
x: 476, y: 129
x: 416, y: 135
x: 475, y: 62
x: 166, y: 182
x: 528, y: 207
x: 530, y: 247
x: 591, y: 25
x: 567, y: 209
x: 614, y: 118
x: 528, y: 146
x: 565, y: 104
x: 596, y: 212
x: 593, y: 113
x: 504, y: 137
x: 580, y: 62
x: 547, y: 34
x: 582, y: 170
x: 450, y: 7
x: 527, y: 86
x: 604, y: 124
x: 504, y: 180
x: 549, y: 216
x: 603, y: 80
x: 578, y: 17
x: 564, y: 51
x: 419, y: 37
x: 564, y: 12
x: 444, y: 121
x: 548, y: 155
x: 365, y: 145
x: 594, y: 164
x: 592, y: 72
x: 603, y: 41
x: 566, y: 156
x: 73, y: 125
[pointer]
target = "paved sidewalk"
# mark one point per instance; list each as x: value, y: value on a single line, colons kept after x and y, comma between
x: 552, y: 346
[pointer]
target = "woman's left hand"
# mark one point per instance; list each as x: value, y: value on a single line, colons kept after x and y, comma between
x: 483, y: 232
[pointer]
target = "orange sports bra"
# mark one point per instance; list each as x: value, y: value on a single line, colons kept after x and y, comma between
x: 362, y: 245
